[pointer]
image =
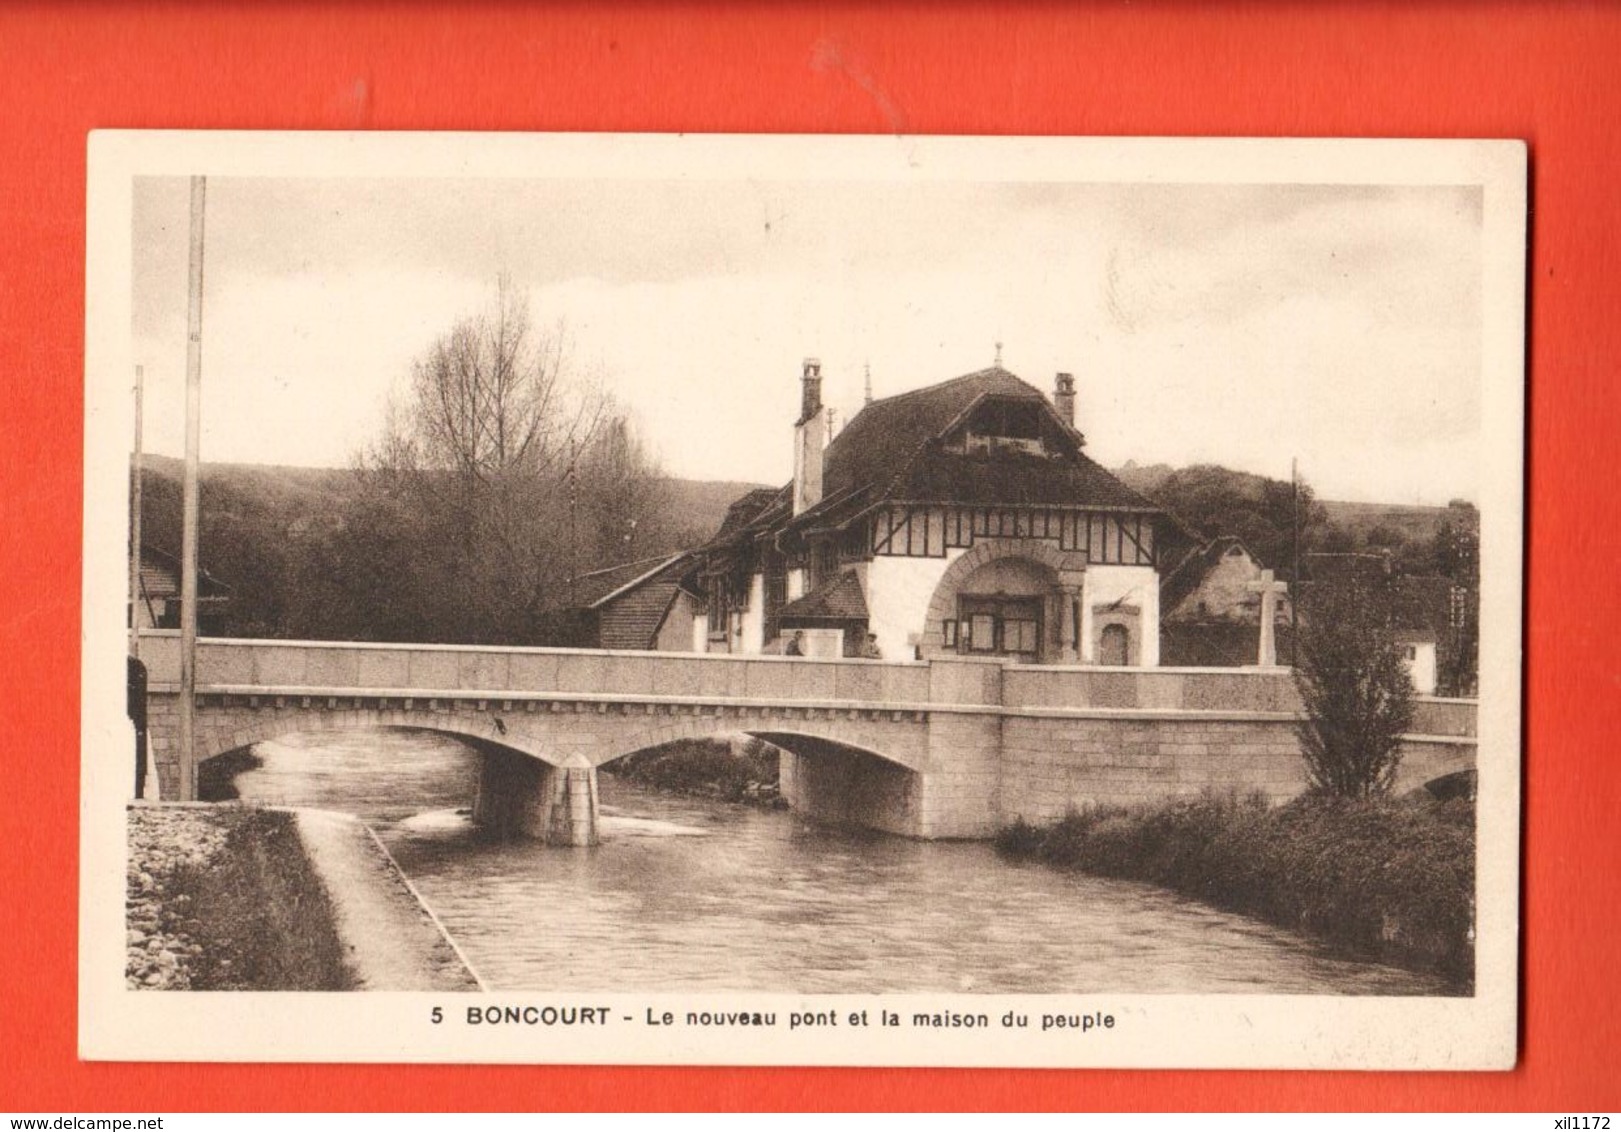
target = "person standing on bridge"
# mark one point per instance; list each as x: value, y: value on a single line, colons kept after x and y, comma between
x: 795, y: 645
x: 869, y: 648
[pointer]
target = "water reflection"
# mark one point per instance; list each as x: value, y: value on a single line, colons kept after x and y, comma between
x: 687, y: 894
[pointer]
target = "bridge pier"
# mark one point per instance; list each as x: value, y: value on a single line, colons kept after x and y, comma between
x: 519, y: 796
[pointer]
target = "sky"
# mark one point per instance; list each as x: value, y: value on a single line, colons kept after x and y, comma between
x: 1244, y: 325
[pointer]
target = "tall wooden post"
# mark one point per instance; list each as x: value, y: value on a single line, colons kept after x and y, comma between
x: 188, y: 541
x: 135, y: 522
x: 1294, y: 602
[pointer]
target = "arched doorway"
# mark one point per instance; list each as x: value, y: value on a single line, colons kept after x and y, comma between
x: 1004, y: 608
x: 1017, y: 598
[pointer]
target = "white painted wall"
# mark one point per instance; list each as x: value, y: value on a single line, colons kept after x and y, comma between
x: 700, y: 632
x: 796, y: 584
x: 825, y: 643
x: 1129, y: 585
x: 753, y: 639
x: 898, y: 593
x: 1420, y: 658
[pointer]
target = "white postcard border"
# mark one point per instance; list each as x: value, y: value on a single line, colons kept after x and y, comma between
x: 1215, y: 1031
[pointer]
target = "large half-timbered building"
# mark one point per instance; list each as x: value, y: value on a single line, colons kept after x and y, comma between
x: 964, y: 517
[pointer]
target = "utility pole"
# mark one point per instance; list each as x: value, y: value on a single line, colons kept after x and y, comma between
x: 1294, y: 541
x: 188, y: 541
x: 135, y: 522
x: 573, y: 525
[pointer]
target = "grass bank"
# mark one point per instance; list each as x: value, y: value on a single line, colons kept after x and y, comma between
x: 707, y: 768
x: 233, y: 897
x: 1393, y: 880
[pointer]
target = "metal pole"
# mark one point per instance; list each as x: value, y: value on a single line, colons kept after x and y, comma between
x: 188, y: 543
x: 135, y: 523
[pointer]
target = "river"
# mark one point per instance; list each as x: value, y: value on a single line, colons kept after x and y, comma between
x: 690, y: 894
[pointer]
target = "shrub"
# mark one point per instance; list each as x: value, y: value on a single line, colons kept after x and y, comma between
x: 1355, y: 687
x: 1021, y: 839
x: 705, y: 767
x: 1394, y: 879
x: 260, y: 912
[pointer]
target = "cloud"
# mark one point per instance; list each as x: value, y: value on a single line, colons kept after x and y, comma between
x: 1238, y: 324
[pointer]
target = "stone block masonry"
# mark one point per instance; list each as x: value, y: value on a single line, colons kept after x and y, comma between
x: 951, y: 748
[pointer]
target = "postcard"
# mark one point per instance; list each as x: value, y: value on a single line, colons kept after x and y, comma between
x: 786, y: 600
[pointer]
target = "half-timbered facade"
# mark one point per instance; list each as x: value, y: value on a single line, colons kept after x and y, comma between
x: 964, y: 517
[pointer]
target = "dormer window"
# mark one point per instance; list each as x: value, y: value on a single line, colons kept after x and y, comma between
x: 1004, y: 425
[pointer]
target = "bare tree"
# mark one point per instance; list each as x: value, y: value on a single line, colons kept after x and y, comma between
x: 622, y: 497
x: 478, y: 451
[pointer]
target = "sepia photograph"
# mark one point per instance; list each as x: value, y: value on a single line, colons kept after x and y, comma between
x: 668, y: 598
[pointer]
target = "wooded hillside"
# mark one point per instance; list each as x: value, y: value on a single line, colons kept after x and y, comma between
x: 304, y: 558
x: 310, y: 552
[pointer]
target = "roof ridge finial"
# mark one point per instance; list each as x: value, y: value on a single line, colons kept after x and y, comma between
x: 998, y: 361
x: 866, y: 369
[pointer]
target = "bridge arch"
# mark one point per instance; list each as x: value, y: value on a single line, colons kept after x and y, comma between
x: 857, y: 767
x: 225, y: 728
x: 854, y: 737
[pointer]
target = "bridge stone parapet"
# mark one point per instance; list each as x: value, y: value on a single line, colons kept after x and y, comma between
x: 954, y: 747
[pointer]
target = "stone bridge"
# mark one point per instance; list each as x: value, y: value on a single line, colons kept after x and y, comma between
x: 943, y: 748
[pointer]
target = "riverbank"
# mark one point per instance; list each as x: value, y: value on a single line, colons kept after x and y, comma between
x: 243, y: 898
x: 391, y: 941
x: 707, y: 768
x: 226, y: 899
x: 1392, y: 880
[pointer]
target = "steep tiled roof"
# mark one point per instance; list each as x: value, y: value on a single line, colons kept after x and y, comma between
x: 1188, y: 573
x: 1013, y: 477
x: 160, y: 576
x: 891, y: 446
x: 880, y: 441
x: 629, y: 616
x: 838, y: 599
x: 591, y: 588
x: 632, y: 620
x: 749, y: 512
x: 892, y: 450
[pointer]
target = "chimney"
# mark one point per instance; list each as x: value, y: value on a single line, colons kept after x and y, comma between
x: 810, y: 401
x: 810, y: 436
x: 1064, y: 398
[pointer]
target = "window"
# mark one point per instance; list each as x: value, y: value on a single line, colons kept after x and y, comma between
x: 1019, y: 636
x: 982, y: 632
x: 948, y: 629
x: 1411, y: 651
x: 998, y: 624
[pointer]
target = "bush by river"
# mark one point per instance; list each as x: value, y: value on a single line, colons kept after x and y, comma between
x: 226, y: 899
x: 707, y: 768
x: 1393, y: 879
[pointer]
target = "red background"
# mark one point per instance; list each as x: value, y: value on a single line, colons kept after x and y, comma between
x: 1545, y: 73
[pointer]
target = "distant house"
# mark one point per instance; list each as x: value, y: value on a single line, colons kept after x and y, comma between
x: 963, y: 518
x: 1212, y: 617
x: 157, y: 604
x: 1211, y: 613
x: 643, y: 605
x: 1423, y: 614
